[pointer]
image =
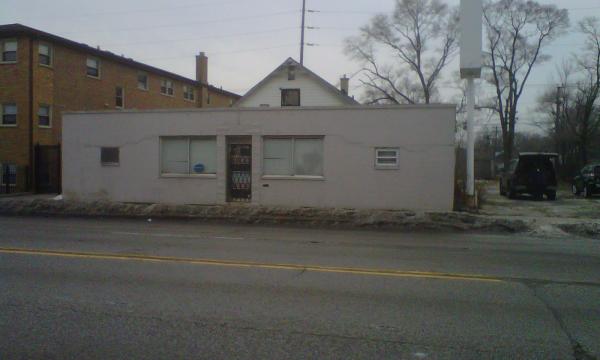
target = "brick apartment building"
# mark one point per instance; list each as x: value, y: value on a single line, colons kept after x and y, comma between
x: 42, y: 75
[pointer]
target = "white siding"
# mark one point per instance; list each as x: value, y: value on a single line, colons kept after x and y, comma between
x: 312, y: 93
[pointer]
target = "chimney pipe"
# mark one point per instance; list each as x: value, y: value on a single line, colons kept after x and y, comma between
x: 344, y: 84
x: 202, y: 68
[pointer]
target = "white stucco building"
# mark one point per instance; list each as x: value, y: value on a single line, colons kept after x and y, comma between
x: 292, y: 84
x: 384, y: 157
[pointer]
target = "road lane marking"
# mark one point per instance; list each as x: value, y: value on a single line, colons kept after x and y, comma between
x: 175, y: 235
x: 251, y: 264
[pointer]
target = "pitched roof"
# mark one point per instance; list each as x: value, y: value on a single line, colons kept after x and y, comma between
x: 283, y: 67
x: 19, y: 30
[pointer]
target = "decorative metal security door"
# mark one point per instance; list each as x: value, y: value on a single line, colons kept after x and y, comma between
x: 240, y: 172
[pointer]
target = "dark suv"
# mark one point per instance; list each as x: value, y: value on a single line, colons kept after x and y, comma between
x: 531, y: 173
x: 587, y: 182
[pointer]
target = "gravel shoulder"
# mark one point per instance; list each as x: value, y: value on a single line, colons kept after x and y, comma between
x: 567, y: 214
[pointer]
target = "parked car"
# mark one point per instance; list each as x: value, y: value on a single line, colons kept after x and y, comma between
x: 587, y: 181
x: 532, y: 173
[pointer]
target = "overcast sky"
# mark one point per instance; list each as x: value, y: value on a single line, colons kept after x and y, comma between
x: 244, y: 40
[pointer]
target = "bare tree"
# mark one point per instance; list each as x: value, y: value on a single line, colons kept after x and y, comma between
x: 421, y: 36
x: 571, y: 110
x: 516, y: 33
x: 586, y: 118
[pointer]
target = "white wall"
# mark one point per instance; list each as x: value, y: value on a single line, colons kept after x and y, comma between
x: 424, y: 134
x: 312, y: 93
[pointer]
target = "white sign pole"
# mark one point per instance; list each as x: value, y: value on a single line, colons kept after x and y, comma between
x: 470, y: 137
x: 471, y: 21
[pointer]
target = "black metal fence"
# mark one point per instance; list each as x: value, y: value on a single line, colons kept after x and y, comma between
x: 13, y: 178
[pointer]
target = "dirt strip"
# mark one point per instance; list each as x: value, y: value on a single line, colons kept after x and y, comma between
x: 303, y: 216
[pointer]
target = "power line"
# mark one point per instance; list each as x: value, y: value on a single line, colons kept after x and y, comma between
x: 141, y: 10
x: 270, y: 31
x: 359, y: 12
x: 349, y: 12
x: 583, y: 8
x: 221, y: 52
x: 240, y: 18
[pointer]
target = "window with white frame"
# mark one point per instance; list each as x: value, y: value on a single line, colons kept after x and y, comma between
x: 9, y: 50
x: 188, y: 155
x: 45, y: 54
x: 293, y: 156
x: 44, y: 116
x: 93, y: 67
x: 166, y: 87
x: 8, y: 174
x: 119, y: 97
x: 142, y: 81
x: 386, y: 158
x: 9, y: 114
x: 188, y: 92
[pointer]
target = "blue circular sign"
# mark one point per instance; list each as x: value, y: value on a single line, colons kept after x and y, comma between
x: 199, y: 168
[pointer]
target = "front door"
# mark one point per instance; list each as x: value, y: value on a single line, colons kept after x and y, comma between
x: 47, y: 169
x: 239, y: 178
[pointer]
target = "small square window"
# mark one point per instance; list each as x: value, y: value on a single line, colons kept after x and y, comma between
x: 9, y: 50
x: 93, y: 67
x: 290, y: 97
x: 142, y: 80
x: 119, y: 97
x: 109, y: 156
x: 9, y: 114
x: 45, y: 54
x: 44, y: 115
x: 166, y: 87
x: 386, y: 158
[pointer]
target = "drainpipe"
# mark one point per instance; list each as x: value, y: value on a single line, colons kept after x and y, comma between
x: 31, y: 149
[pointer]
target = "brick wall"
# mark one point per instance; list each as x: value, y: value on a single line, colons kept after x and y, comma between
x: 65, y: 86
x: 14, y: 88
x: 218, y: 99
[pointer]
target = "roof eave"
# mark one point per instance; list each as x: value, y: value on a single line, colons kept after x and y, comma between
x: 19, y: 29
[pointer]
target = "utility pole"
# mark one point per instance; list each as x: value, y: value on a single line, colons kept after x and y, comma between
x: 494, y: 147
x: 557, y: 118
x: 302, y: 33
x: 557, y: 129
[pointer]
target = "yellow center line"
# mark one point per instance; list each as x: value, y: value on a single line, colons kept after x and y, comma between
x: 252, y: 264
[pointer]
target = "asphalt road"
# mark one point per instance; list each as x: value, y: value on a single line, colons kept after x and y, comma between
x: 124, y: 289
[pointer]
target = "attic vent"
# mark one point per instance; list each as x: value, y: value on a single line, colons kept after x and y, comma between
x: 291, y: 72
